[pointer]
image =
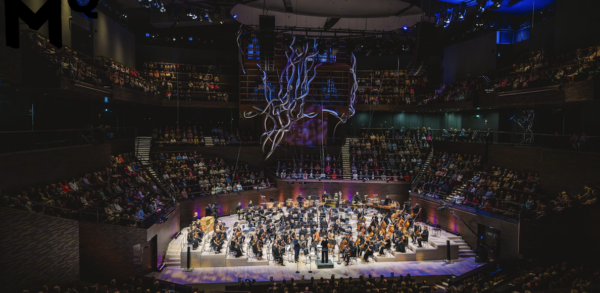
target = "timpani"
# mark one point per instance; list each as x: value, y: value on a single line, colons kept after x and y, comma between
x: 306, y: 204
x: 295, y: 204
x: 270, y: 205
x: 279, y: 205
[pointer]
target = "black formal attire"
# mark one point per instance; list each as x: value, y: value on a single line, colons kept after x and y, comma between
x: 424, y: 237
x: 257, y: 252
x: 233, y: 247
x: 296, y: 249
x: 368, y: 253
x: 324, y: 251
x: 277, y: 255
x: 238, y: 210
x: 400, y: 246
x: 387, y: 201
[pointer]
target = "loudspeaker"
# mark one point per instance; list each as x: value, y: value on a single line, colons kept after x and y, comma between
x: 266, y: 40
x: 189, y: 257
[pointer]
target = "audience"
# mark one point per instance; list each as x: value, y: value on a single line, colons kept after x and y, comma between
x: 189, y: 175
x: 123, y: 193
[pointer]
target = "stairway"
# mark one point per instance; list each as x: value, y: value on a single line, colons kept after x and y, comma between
x: 208, y: 141
x: 142, y: 149
x: 424, y: 167
x: 173, y: 256
x: 346, y: 159
x: 456, y: 191
x: 445, y: 282
x: 464, y: 251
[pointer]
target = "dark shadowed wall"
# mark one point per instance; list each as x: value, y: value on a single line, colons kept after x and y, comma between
x: 37, y: 250
x: 509, y: 241
x: 107, y: 251
x: 114, y: 41
x: 473, y: 57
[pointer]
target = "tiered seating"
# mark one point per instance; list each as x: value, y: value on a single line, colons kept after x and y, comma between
x: 395, y: 155
x: 447, y: 171
x: 192, y: 174
x: 311, y: 167
x: 389, y: 87
x: 192, y: 82
x: 123, y: 193
x: 501, y: 191
x: 191, y: 135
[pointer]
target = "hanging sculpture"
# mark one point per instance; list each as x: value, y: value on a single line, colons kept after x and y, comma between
x: 525, y: 121
x: 287, y: 107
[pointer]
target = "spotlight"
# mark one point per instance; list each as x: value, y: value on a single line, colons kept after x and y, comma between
x: 191, y: 39
x: 209, y: 20
x: 194, y: 16
x: 206, y: 14
x: 405, y: 28
x: 497, y: 4
x: 173, y: 39
x: 235, y: 16
x: 221, y: 22
x: 147, y: 35
x: 162, y: 8
x: 123, y: 15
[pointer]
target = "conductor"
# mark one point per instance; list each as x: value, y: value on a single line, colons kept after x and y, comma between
x: 324, y: 250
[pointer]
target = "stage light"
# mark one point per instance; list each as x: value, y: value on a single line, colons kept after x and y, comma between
x: 209, y: 20
x: 147, y: 35
x: 162, y: 8
x: 206, y: 14
x: 235, y: 16
x: 173, y: 39
x: 497, y: 4
x: 191, y: 39
x: 405, y: 28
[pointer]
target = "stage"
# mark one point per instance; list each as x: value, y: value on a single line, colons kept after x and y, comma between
x: 209, y: 267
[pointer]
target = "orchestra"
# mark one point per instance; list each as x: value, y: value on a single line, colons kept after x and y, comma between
x: 320, y: 226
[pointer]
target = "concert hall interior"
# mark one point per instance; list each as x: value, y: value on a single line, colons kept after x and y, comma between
x: 281, y: 146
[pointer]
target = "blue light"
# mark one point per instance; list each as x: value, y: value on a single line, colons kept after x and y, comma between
x: 206, y: 14
x: 106, y: 99
x: 105, y: 110
x: 191, y: 39
x: 235, y: 16
x: 405, y: 28
x: 147, y: 35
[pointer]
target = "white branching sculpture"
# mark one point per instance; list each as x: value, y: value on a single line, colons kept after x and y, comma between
x: 294, y: 85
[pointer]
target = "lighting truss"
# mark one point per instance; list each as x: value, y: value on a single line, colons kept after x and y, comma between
x: 288, y: 107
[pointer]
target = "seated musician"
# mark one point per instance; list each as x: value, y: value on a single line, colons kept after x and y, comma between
x: 387, y: 244
x: 250, y: 205
x: 356, y: 198
x: 239, y: 210
x: 424, y: 236
x: 401, y: 244
x: 234, y: 247
x: 216, y: 244
x: 277, y: 254
x: 257, y: 250
x: 303, y: 231
x: 325, y: 196
x: 368, y: 252
x: 387, y: 201
x: 261, y: 213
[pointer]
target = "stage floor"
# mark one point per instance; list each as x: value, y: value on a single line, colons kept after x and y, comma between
x: 264, y: 273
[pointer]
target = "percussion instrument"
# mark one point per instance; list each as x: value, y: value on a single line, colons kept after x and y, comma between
x: 270, y: 205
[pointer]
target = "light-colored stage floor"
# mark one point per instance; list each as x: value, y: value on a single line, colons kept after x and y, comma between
x: 264, y: 273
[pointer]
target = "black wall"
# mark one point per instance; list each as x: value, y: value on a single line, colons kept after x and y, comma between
x: 576, y: 23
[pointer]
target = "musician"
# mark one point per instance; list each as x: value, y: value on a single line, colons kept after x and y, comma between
x: 387, y: 244
x: 261, y: 213
x: 277, y: 254
x: 387, y: 201
x: 234, y: 247
x: 324, y: 250
x: 368, y: 252
x: 356, y: 198
x: 424, y: 236
x: 196, y: 216
x: 296, y: 243
x: 415, y: 234
x: 257, y: 250
x: 216, y: 244
x: 300, y: 198
x: 208, y: 210
x: 416, y: 209
x: 303, y: 231
x: 325, y: 196
x: 215, y: 211
x: 239, y: 210
x: 401, y: 244
x: 250, y: 205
